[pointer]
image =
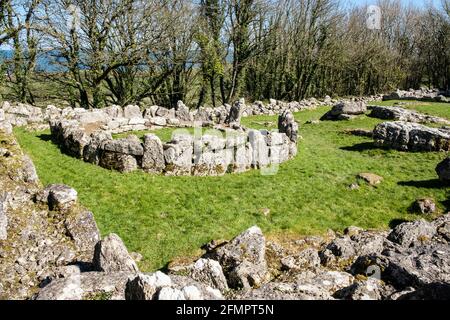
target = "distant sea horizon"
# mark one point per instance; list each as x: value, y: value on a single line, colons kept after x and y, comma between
x: 45, y: 62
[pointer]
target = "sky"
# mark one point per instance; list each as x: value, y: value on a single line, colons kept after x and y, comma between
x: 418, y: 3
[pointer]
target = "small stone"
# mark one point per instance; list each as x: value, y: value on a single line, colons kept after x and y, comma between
x: 371, y: 178
x: 424, y: 206
x: 352, y: 231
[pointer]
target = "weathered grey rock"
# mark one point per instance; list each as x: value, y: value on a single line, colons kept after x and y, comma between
x: 243, y: 158
x: 130, y: 145
x: 345, y: 110
x: 52, y: 113
x: 400, y: 114
x: 406, y: 234
x: 342, y: 247
x: 113, y: 111
x: 209, y: 272
x: 145, y: 287
x: 90, y: 117
x: 369, y: 289
x: 121, y: 162
x: 345, y: 249
x: 212, y: 163
x: 170, y: 294
x: 182, y: 112
x: 287, y: 125
x: 5, y: 127
x: 409, y: 267
x: 28, y: 171
x: 111, y: 255
x: 173, y: 122
x: 74, y: 139
x: 406, y: 136
x: 153, y: 159
x: 87, y: 286
x: 305, y: 259
x: 131, y: 112
x: 60, y: 197
x: 93, y: 151
x: 261, y: 156
x: 3, y: 218
x: 150, y: 112
x: 443, y: 231
x: 165, y: 113
x: 2, y: 115
x: 443, y: 170
x: 194, y: 290
x: 236, y: 112
x: 82, y: 229
x: 243, y: 259
x: 424, y: 206
x: 178, y: 155
x: 159, y: 286
x: 158, y: 121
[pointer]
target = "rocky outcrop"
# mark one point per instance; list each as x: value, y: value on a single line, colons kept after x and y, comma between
x: 413, y: 137
x: 400, y: 114
x: 346, y: 110
x: 243, y: 259
x: 42, y: 230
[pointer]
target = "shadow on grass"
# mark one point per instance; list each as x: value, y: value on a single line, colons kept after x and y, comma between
x: 395, y: 222
x: 45, y: 137
x: 365, y: 146
x: 446, y: 204
x: 428, y: 184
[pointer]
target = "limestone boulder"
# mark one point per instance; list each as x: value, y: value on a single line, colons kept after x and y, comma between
x: 405, y: 136
x: 209, y: 272
x: 59, y: 197
x: 243, y: 259
x: 346, y: 110
x: 111, y: 255
x: 153, y: 159
x: 131, y: 112
x: 87, y: 286
x: 288, y: 126
x: 406, y: 234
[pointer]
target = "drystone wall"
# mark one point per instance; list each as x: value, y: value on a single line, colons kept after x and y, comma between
x: 134, y: 118
x: 203, y: 155
x: 422, y: 94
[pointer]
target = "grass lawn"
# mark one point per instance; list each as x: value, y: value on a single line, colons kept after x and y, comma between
x: 167, y: 217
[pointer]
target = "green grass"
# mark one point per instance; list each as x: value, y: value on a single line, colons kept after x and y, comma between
x: 167, y: 217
